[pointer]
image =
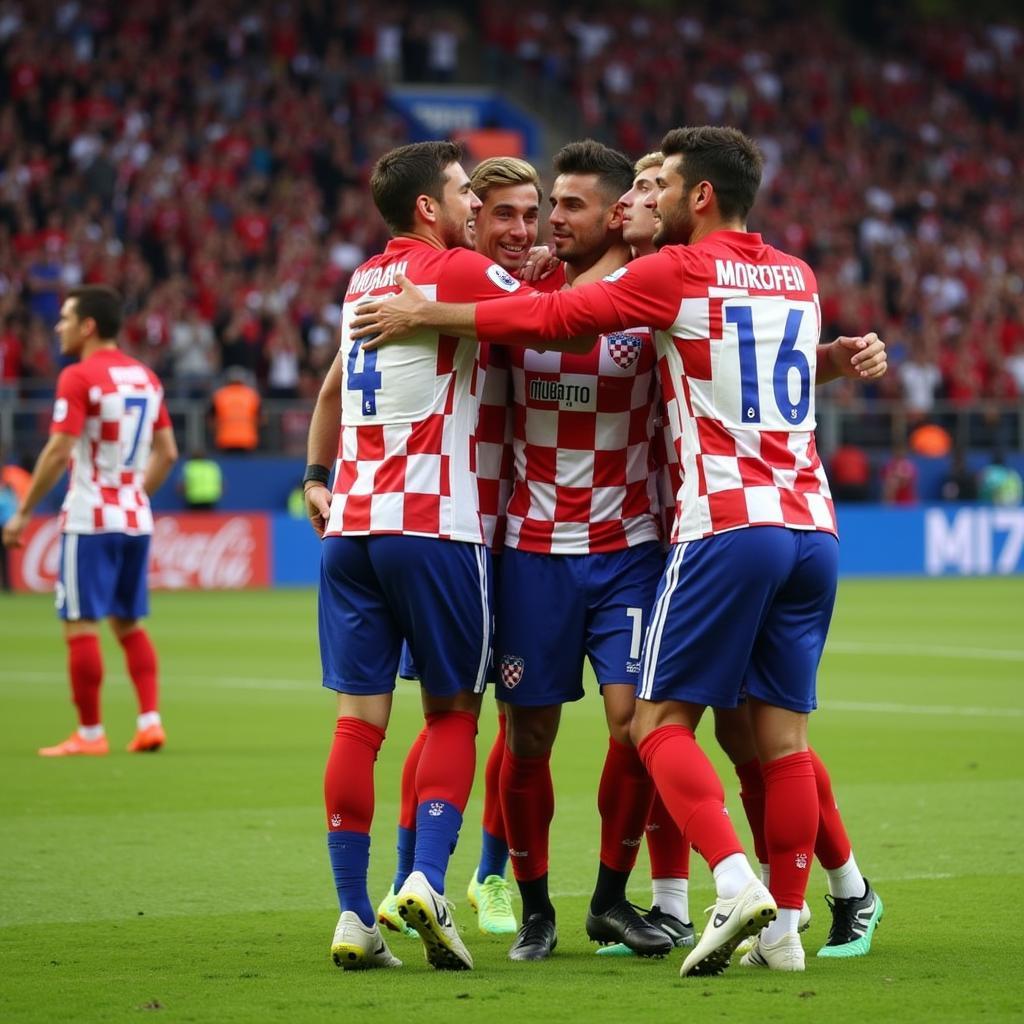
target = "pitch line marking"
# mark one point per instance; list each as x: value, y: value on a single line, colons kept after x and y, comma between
x: 920, y: 650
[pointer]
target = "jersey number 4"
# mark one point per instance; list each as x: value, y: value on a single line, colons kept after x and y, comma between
x: 367, y: 380
x: 787, y: 359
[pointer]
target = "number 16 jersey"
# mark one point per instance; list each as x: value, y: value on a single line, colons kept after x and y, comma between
x: 736, y: 328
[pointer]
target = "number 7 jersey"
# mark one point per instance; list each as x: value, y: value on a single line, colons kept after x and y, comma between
x: 112, y: 404
x: 736, y: 328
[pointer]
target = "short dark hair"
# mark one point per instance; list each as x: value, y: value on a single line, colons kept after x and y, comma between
x: 614, y: 170
x: 726, y: 157
x: 402, y: 174
x: 101, y: 303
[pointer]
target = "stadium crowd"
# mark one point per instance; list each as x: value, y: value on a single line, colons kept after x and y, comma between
x: 210, y: 161
x: 892, y: 158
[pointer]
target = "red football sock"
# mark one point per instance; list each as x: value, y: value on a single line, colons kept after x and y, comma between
x: 752, y: 796
x: 790, y: 825
x: 140, y: 657
x: 85, y: 667
x: 691, y: 791
x: 407, y: 800
x: 348, y: 778
x: 832, y: 847
x: 448, y: 761
x: 624, y: 802
x: 528, y: 805
x: 493, y: 822
x: 668, y: 849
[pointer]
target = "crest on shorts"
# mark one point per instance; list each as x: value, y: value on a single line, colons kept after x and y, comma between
x: 511, y: 670
x: 624, y: 349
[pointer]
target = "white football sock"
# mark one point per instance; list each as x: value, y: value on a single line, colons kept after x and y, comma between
x: 91, y: 732
x: 785, y: 921
x: 846, y: 882
x: 148, y: 719
x: 732, y: 873
x: 672, y: 896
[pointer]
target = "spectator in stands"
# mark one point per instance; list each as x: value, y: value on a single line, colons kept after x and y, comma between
x: 236, y: 413
x: 960, y: 484
x: 850, y: 473
x: 921, y: 379
x: 1000, y: 484
x: 899, y: 478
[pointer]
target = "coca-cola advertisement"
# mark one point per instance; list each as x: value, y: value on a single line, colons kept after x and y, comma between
x: 193, y: 551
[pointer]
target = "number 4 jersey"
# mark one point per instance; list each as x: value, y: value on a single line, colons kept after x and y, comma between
x: 407, y: 452
x: 112, y: 404
x: 737, y: 325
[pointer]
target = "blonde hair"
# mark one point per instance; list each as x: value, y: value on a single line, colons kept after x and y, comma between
x: 500, y: 171
x: 648, y: 160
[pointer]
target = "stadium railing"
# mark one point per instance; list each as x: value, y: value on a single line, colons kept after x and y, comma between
x: 875, y: 425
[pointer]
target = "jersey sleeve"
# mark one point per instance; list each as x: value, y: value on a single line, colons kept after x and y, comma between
x: 163, y: 417
x: 647, y: 293
x: 470, y: 277
x: 71, y: 403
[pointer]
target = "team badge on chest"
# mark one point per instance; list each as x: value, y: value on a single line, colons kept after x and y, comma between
x: 624, y: 349
x: 511, y: 670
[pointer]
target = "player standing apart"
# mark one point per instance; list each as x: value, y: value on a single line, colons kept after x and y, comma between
x: 111, y: 431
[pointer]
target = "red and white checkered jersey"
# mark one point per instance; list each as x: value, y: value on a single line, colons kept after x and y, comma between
x: 407, y: 460
x: 112, y: 404
x: 582, y: 431
x: 737, y: 325
x: 494, y: 444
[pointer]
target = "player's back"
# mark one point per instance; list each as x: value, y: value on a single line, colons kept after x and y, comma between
x: 407, y: 449
x: 738, y: 368
x: 113, y: 403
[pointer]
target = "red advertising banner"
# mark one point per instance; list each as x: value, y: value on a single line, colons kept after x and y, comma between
x: 189, y: 551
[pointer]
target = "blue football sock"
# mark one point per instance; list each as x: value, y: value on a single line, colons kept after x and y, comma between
x: 493, y: 856
x: 406, y: 855
x: 437, y: 831
x: 350, y: 858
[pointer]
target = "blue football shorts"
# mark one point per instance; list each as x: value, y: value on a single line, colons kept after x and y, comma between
x: 552, y: 610
x: 740, y: 614
x: 377, y: 591
x: 407, y: 666
x: 102, y: 574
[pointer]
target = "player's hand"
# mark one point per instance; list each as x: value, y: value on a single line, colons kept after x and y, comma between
x: 318, y: 507
x: 540, y: 263
x: 392, y: 317
x: 13, y: 529
x: 860, y: 358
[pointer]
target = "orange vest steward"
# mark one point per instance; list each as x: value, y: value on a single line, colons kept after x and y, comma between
x: 236, y: 411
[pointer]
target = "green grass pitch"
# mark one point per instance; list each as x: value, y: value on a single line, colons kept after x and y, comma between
x: 193, y: 885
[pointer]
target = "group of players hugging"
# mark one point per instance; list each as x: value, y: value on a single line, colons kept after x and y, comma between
x: 605, y: 450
